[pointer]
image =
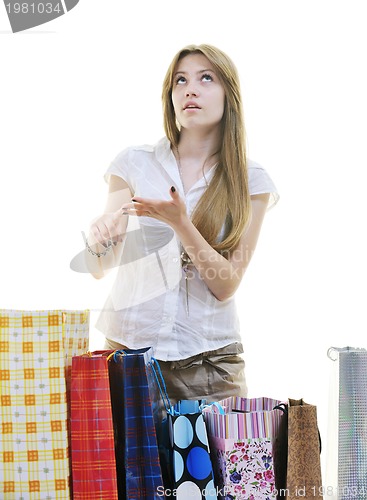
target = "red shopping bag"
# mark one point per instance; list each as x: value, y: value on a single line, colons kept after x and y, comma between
x: 94, y: 474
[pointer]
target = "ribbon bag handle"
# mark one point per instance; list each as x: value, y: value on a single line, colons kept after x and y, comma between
x: 157, y: 372
x: 214, y: 407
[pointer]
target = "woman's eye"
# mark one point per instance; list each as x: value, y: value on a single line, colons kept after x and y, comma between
x: 180, y: 79
x: 207, y: 78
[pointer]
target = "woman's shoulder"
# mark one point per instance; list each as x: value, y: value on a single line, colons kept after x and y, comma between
x: 137, y: 159
x: 132, y: 151
x: 256, y: 173
x: 141, y: 150
x: 253, y: 166
x: 260, y: 181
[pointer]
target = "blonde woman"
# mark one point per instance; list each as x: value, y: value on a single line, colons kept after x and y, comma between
x: 182, y: 221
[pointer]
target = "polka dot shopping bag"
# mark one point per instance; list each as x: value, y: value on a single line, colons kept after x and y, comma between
x: 187, y: 454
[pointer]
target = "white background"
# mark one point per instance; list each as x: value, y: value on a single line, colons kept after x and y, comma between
x: 76, y: 91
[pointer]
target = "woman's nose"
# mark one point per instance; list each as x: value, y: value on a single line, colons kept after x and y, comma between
x: 191, y: 90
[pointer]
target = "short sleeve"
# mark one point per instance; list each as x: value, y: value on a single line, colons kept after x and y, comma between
x: 120, y: 167
x: 260, y: 182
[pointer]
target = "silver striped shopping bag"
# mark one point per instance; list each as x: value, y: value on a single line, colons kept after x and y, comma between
x: 350, y: 403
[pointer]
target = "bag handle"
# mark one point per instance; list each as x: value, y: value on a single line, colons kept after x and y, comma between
x: 284, y: 408
x: 157, y: 372
x: 215, y: 407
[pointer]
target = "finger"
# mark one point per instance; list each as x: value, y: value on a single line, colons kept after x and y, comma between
x: 106, y: 234
x: 140, y: 212
x: 137, y: 209
x: 129, y: 211
x: 143, y: 201
x: 173, y: 192
x: 99, y: 236
x: 116, y: 235
x: 143, y: 213
x: 109, y: 231
x: 129, y: 207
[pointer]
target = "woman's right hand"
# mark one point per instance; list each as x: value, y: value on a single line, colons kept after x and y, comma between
x: 108, y: 228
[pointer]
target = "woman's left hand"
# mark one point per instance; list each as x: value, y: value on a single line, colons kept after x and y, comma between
x: 172, y: 212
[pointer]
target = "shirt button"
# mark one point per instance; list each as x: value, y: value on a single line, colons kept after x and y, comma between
x: 175, y: 259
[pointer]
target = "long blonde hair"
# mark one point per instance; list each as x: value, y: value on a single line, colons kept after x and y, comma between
x: 227, y: 199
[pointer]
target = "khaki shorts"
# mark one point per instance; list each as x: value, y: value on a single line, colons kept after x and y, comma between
x: 212, y: 375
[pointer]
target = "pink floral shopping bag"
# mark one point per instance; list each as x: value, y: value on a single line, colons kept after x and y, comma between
x: 241, y: 437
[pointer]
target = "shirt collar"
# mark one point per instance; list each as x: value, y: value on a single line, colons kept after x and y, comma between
x: 165, y: 156
x: 163, y: 150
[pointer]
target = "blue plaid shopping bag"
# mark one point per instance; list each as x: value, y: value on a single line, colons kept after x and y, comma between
x: 138, y: 469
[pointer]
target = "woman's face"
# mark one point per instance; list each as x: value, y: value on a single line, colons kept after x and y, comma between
x: 197, y: 94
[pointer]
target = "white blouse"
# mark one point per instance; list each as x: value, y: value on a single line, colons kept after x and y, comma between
x: 147, y: 304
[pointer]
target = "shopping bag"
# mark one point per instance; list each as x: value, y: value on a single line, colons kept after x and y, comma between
x: 297, y: 452
x: 241, y: 437
x: 192, y: 467
x: 185, y: 447
x: 138, y: 469
x: 347, y: 462
x: 92, y: 437
x: 36, y: 350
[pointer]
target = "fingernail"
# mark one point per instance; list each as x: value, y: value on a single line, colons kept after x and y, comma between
x: 133, y: 199
x: 173, y: 189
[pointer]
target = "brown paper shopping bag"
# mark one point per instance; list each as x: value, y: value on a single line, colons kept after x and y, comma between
x: 297, y: 453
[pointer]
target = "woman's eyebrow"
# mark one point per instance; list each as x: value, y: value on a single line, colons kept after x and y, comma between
x: 198, y: 72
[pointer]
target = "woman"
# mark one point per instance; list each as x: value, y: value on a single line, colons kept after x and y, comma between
x: 182, y: 221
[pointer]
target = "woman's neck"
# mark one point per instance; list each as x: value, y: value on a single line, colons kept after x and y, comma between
x: 200, y: 147
x: 195, y: 156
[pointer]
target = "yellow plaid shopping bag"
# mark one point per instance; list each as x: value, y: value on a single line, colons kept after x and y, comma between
x: 36, y: 350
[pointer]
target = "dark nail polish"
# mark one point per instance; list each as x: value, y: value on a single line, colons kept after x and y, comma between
x: 173, y: 189
x: 133, y: 199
